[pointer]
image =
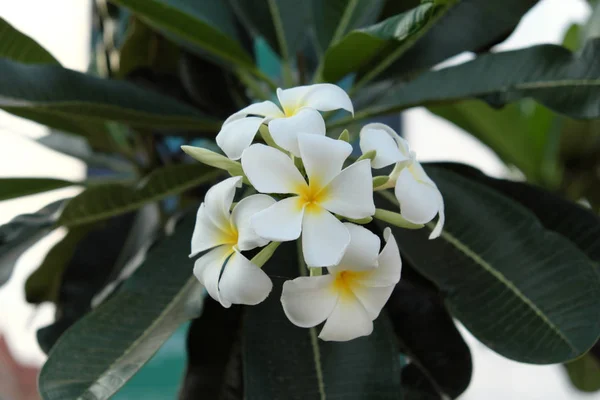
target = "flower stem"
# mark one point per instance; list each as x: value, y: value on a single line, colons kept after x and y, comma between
x: 265, y: 254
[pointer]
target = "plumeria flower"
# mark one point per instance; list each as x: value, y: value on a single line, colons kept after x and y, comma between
x: 347, y: 192
x: 227, y: 275
x: 419, y: 197
x: 352, y: 295
x: 299, y: 112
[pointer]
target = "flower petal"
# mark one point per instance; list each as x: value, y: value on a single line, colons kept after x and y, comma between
x: 206, y: 235
x: 243, y: 282
x: 323, y: 157
x: 373, y: 137
x: 270, y: 170
x: 308, y: 301
x: 324, y: 238
x: 437, y: 231
x: 240, y: 216
x: 363, y: 250
x: 389, y: 269
x: 280, y: 222
x: 419, y: 201
x: 373, y: 298
x: 218, y: 201
x: 350, y: 194
x: 348, y: 321
x: 285, y: 130
x: 237, y: 136
x: 322, y: 97
x: 266, y: 109
x: 208, y: 269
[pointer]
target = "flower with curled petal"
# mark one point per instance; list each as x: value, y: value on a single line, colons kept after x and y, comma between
x: 330, y: 189
x: 350, y: 297
x: 299, y: 113
x: 420, y: 199
x: 227, y: 275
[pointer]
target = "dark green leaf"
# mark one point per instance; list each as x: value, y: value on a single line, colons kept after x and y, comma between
x: 22, y: 232
x: 44, y: 283
x: 100, y: 202
x: 94, y: 358
x: 207, y: 24
x: 428, y: 336
x: 17, y: 187
x: 585, y: 373
x: 526, y: 292
x: 562, y: 81
x: 17, y: 46
x: 385, y: 39
x: 332, y: 19
x: 57, y: 96
x: 283, y: 361
x: 468, y: 25
x: 213, y: 348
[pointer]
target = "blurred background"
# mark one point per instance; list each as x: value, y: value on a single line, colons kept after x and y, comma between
x: 63, y: 28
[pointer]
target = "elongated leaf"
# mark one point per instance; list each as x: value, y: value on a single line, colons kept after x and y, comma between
x: 428, y: 336
x: 385, y: 39
x: 265, y: 18
x: 526, y: 292
x: 468, y: 25
x: 17, y: 46
x: 11, y: 188
x: 94, y: 358
x: 585, y: 373
x: 22, y: 232
x: 104, y: 201
x: 579, y: 225
x: 283, y: 361
x: 332, y: 19
x: 52, y: 95
x: 562, y: 81
x: 207, y: 24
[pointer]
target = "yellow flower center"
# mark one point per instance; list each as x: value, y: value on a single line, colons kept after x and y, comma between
x: 345, y: 281
x: 229, y: 235
x: 310, y: 196
x: 290, y: 111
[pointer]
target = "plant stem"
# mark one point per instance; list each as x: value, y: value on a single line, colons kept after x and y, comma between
x: 288, y: 78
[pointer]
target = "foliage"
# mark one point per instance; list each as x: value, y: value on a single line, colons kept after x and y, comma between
x: 517, y: 262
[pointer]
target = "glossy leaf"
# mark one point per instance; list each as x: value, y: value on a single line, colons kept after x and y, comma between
x: 562, y: 81
x: 207, y: 24
x: 108, y: 346
x: 17, y: 46
x: 428, y: 336
x: 100, y: 202
x: 385, y: 39
x: 276, y: 352
x: 11, y: 188
x: 526, y: 292
x: 22, y: 232
x: 56, y: 96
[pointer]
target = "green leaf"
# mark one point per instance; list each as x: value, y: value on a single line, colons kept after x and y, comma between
x: 207, y: 24
x: 17, y: 46
x: 44, y: 283
x: 386, y: 39
x: 21, y: 233
x: 466, y: 25
x: 332, y: 19
x: 11, y: 188
x: 562, y: 81
x: 585, y: 373
x: 56, y: 96
x: 103, y: 350
x: 526, y: 292
x: 283, y: 361
x: 100, y: 202
x: 428, y: 336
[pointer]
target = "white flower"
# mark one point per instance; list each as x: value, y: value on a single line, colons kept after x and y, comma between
x: 241, y: 282
x: 352, y: 295
x: 420, y: 199
x: 348, y: 193
x: 299, y: 113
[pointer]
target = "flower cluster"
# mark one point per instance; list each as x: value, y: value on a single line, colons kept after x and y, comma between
x: 308, y: 190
